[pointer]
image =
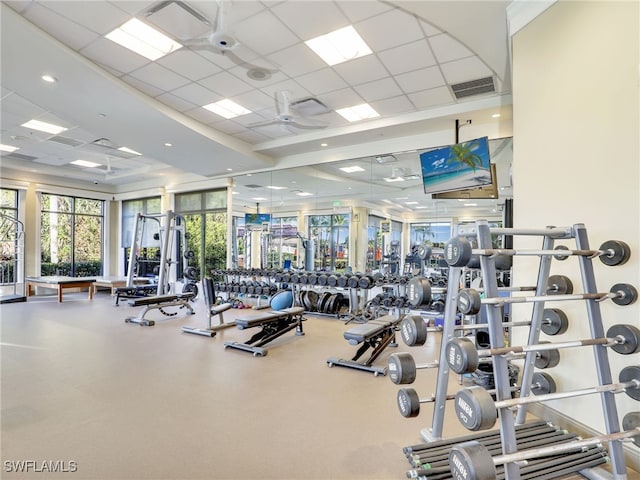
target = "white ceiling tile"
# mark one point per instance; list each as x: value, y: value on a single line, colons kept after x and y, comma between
x: 422, y: 79
x: 227, y: 126
x: 251, y: 136
x: 68, y: 32
x: 159, y: 77
x: 113, y: 55
x: 175, y: 102
x: 429, y: 29
x: 295, y: 89
x: 177, y: 22
x: 20, y: 107
x: 398, y: 27
x: 360, y: 10
x: 297, y: 60
x: 447, y: 48
x: 393, y: 106
x: 101, y: 17
x: 189, y: 64
x: 144, y: 87
x: 254, y: 100
x: 225, y: 84
x: 361, y: 70
x: 311, y: 18
x: 242, y: 72
x: 379, y: 89
x: 133, y: 7
x: 343, y: 98
x: 406, y: 58
x: 197, y: 94
x: 322, y: 81
x: 465, y: 69
x: 257, y: 33
x: 203, y: 115
x: 431, y: 97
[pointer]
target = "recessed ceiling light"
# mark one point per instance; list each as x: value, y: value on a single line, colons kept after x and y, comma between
x: 44, y: 127
x: 411, y: 203
x: 49, y: 78
x: 168, y: 145
x: 304, y: 194
x: 420, y: 207
x: 235, y: 193
x: 139, y: 37
x: 258, y: 199
x: 128, y: 150
x: 229, y: 169
x: 495, y: 115
x: 358, y: 112
x: 273, y: 187
x: 339, y: 46
x: 85, y: 163
x: 393, y: 179
x: 227, y: 109
x: 324, y: 144
x: 8, y: 148
x: 470, y: 204
x: 352, y: 169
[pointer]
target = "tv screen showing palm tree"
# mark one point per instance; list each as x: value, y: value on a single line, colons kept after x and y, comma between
x: 456, y: 167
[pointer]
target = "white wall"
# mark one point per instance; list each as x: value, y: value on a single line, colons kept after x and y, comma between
x: 576, y: 82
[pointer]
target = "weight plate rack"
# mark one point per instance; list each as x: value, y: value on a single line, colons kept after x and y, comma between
x: 459, y: 255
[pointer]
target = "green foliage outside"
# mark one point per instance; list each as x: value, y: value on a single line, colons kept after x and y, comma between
x: 462, y: 153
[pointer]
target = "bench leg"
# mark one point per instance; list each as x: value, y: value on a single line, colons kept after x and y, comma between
x: 59, y: 293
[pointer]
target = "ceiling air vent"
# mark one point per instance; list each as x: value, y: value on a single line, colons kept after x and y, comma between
x: 253, y: 186
x: 309, y: 106
x: 18, y: 156
x: 65, y: 141
x: 473, y: 87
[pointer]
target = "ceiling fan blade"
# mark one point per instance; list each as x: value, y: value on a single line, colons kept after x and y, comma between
x: 242, y: 63
x: 266, y: 123
x: 296, y: 124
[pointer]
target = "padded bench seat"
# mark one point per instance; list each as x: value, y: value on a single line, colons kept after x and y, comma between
x: 365, y: 331
x: 159, y: 302
x: 158, y: 299
x: 261, y: 318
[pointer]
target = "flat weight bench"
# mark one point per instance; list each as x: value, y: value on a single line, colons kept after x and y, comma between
x: 274, y: 324
x: 377, y: 335
x: 213, y: 310
x: 159, y: 302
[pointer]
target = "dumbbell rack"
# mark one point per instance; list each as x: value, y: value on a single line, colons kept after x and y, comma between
x: 482, y: 232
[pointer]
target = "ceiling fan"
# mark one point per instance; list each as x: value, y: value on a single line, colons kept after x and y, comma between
x: 222, y: 42
x: 286, y: 118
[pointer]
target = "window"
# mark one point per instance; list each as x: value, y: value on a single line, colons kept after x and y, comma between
x: 9, y: 202
x: 148, y: 258
x: 205, y: 217
x: 71, y: 236
x: 330, y: 234
x: 283, y: 242
x: 383, y: 251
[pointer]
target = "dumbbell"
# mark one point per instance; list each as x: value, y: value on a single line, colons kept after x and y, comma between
x: 409, y: 402
x: 458, y: 252
x: 471, y: 460
x: 414, y: 330
x: 463, y: 357
x: 469, y: 301
x: 476, y: 410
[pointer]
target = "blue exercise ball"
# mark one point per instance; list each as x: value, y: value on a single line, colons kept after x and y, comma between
x: 281, y: 300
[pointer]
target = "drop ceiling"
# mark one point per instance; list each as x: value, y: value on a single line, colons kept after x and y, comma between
x: 108, y: 97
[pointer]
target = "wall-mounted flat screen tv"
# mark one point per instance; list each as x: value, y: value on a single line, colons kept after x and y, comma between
x: 485, y: 191
x: 256, y: 220
x: 456, y: 167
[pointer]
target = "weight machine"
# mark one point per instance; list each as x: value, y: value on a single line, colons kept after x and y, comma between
x: 11, y: 260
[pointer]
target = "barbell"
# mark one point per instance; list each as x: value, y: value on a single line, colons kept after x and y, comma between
x: 476, y: 410
x: 458, y: 252
x: 414, y: 331
x: 472, y: 461
x: 409, y: 401
x: 463, y: 357
x: 469, y: 300
x: 402, y: 367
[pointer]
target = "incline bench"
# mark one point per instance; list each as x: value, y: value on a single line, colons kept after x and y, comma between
x: 376, y: 334
x: 159, y: 302
x: 274, y: 324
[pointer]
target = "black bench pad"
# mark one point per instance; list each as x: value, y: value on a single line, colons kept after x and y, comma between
x: 267, y: 317
x: 158, y: 299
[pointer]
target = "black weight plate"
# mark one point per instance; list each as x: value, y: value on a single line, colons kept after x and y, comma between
x: 424, y: 252
x: 312, y: 278
x: 631, y: 337
x: 323, y: 300
x: 554, y: 321
x: 559, y: 255
x: 322, y: 279
x: 190, y: 288
x: 542, y: 383
x: 332, y: 280
x: 559, y: 285
x: 471, y: 460
x: 628, y: 374
x: 630, y: 421
x: 547, y: 358
x: 419, y: 291
x: 353, y: 281
x: 312, y: 297
x: 469, y: 301
x: 462, y: 355
x: 413, y: 330
x: 620, y: 253
x: 457, y: 252
x: 332, y: 304
x: 342, y: 281
x: 475, y: 408
x: 401, y: 368
x: 627, y: 294
x: 191, y: 273
x: 303, y: 279
x: 408, y: 402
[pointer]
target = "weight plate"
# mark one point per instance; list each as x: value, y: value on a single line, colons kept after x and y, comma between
x: 475, y: 408
x: 413, y: 330
x: 312, y: 279
x: 542, y: 383
x: 189, y: 254
x: 419, y: 291
x: 424, y: 252
x: 630, y: 421
x: 471, y: 460
x: 322, y: 279
x: 559, y: 285
x: 457, y: 252
x: 366, y: 282
x: 619, y: 253
x: 303, y: 279
x: 503, y: 262
x: 312, y: 297
x: 191, y: 273
x: 353, y: 281
x: 554, y: 321
x: 626, y: 294
x: 322, y: 300
x: 469, y: 301
x: 559, y: 256
x: 631, y: 336
x: 628, y: 374
x: 547, y: 358
x: 332, y: 280
x: 401, y: 368
x: 408, y: 402
x: 342, y: 281
x: 462, y: 355
x: 190, y: 288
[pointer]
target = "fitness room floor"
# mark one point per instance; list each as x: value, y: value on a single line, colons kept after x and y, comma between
x: 119, y: 401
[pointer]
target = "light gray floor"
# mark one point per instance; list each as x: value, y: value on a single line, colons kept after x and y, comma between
x: 129, y: 402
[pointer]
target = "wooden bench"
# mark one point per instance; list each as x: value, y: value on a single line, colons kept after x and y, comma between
x: 60, y: 283
x: 115, y: 282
